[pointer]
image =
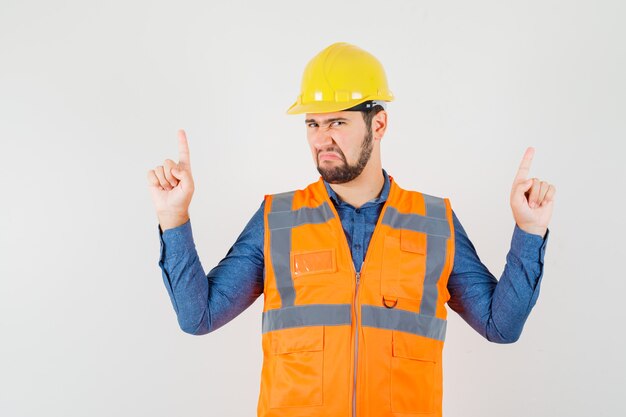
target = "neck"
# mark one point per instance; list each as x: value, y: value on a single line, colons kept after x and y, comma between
x: 363, y: 188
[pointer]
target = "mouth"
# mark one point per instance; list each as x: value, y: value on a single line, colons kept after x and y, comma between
x: 330, y: 156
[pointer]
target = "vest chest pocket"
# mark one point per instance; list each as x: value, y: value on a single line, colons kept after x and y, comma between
x: 297, y: 367
x: 404, y: 265
x: 313, y: 262
x: 415, y: 373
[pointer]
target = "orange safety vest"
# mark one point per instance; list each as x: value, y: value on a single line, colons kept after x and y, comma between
x: 339, y: 343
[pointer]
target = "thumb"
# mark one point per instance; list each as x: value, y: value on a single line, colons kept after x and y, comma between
x: 525, y: 186
x: 178, y: 173
x: 520, y: 189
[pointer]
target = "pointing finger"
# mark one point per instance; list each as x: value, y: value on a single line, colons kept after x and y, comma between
x: 524, y: 166
x: 183, y: 149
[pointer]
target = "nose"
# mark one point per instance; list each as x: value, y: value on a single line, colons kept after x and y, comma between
x: 322, y: 139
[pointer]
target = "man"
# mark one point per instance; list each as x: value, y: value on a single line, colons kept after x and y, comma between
x: 355, y: 270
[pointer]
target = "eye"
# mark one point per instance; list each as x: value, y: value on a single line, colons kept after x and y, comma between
x: 337, y: 123
x: 311, y: 124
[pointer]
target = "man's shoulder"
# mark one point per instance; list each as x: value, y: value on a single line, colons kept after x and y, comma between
x: 429, y: 204
x: 313, y: 195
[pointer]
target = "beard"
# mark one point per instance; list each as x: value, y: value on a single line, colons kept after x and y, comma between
x: 346, y: 172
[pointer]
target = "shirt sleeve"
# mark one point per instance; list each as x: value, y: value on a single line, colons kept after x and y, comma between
x: 497, y: 309
x: 204, y: 303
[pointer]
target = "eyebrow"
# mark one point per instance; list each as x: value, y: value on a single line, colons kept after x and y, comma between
x: 334, y: 119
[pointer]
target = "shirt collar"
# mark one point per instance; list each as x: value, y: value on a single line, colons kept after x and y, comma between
x: 380, y: 199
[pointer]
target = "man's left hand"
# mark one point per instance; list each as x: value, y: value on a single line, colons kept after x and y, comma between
x: 532, y: 200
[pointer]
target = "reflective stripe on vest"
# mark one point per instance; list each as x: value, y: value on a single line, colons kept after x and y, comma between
x: 307, y: 315
x: 405, y: 321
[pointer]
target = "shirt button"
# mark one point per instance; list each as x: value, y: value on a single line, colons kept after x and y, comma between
x: 357, y: 211
x: 357, y: 246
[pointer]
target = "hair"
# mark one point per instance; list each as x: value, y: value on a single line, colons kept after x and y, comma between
x: 369, y: 114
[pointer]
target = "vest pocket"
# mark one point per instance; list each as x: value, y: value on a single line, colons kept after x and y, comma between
x: 403, y: 265
x: 313, y: 262
x: 297, y: 367
x: 413, y: 373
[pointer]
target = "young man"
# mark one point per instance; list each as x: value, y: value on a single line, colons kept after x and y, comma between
x: 355, y: 270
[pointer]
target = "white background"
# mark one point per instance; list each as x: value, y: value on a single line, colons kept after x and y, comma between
x: 91, y: 96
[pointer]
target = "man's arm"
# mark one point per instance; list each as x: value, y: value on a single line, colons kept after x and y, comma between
x: 496, y: 309
x: 204, y: 303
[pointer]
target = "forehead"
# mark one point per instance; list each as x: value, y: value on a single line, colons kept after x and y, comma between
x: 322, y: 118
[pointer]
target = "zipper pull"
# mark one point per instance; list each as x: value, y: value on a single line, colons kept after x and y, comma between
x: 358, y: 274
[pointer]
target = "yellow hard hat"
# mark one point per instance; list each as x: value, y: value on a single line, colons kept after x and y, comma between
x: 340, y: 77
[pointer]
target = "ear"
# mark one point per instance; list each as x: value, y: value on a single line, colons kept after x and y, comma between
x: 379, y: 124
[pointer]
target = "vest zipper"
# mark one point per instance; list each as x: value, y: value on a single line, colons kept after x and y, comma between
x: 356, y: 341
x: 357, y: 277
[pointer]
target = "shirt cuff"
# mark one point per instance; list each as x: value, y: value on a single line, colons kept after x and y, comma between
x: 529, y: 246
x: 176, y: 240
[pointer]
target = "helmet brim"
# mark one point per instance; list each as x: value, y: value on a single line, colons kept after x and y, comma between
x: 330, y: 106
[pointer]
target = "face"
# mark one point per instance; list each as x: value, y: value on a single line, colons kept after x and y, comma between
x: 340, y: 143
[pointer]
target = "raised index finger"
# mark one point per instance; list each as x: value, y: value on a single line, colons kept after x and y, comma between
x: 183, y: 148
x: 524, y: 166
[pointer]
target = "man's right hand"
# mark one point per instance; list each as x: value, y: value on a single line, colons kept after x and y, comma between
x: 171, y: 186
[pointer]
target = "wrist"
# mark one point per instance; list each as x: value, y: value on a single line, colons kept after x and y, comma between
x: 535, y: 230
x: 171, y: 221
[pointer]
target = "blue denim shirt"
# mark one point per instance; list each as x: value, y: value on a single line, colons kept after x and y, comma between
x: 497, y: 309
